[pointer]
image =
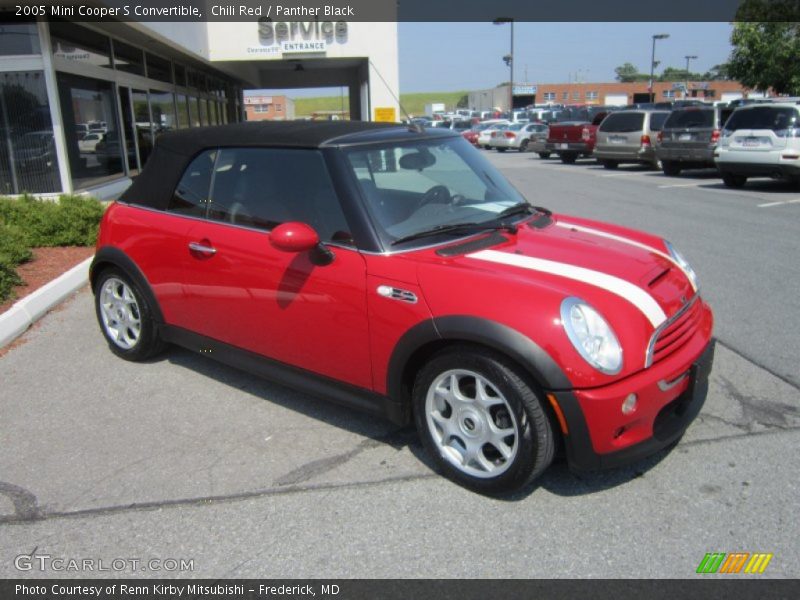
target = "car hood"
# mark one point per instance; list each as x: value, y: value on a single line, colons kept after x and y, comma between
x: 573, y: 256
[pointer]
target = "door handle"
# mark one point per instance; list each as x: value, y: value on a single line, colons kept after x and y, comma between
x: 202, y: 248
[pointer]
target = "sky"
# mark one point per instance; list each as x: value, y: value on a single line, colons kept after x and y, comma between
x: 441, y: 57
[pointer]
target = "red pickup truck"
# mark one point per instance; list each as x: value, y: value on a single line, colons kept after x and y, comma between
x: 575, y: 135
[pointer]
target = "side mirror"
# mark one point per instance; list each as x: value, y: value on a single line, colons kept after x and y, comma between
x: 299, y: 237
x: 294, y: 237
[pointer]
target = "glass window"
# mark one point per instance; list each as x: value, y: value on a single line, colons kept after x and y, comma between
x: 692, y: 117
x: 159, y: 68
x: 128, y: 58
x: 549, y: 96
x: 415, y: 187
x: 180, y: 75
x: 28, y: 160
x: 263, y: 187
x: 194, y: 114
x: 203, y: 106
x: 212, y: 112
x: 576, y: 95
x: 19, y: 38
x: 80, y: 45
x: 778, y: 119
x: 592, y: 95
x: 623, y: 122
x: 183, y: 112
x: 89, y: 106
x: 657, y: 120
x: 163, y: 109
x: 565, y: 96
x: 144, y: 125
x: 191, y: 195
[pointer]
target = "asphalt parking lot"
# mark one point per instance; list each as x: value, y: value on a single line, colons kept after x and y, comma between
x: 183, y: 458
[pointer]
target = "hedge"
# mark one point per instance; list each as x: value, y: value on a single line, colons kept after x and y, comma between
x: 29, y: 222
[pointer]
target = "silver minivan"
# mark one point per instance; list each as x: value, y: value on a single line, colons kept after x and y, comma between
x: 689, y: 136
x: 629, y: 136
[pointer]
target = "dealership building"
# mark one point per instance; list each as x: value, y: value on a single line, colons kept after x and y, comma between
x: 81, y: 104
x: 608, y: 94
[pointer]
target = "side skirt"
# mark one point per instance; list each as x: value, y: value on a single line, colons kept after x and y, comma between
x: 296, y: 378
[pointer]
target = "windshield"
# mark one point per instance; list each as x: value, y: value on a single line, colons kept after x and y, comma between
x: 417, y: 186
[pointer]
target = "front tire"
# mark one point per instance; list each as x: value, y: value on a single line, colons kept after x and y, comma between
x: 501, y: 149
x: 609, y: 164
x: 523, y: 147
x: 481, y: 421
x: 544, y: 155
x: 125, y: 317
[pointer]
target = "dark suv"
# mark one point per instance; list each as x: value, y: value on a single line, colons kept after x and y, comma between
x: 689, y: 136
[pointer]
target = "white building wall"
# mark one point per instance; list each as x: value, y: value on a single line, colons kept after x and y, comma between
x: 375, y: 41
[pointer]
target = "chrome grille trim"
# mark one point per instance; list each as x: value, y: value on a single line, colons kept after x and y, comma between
x: 649, y: 354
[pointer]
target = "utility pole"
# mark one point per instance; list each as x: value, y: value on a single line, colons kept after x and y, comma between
x: 657, y: 36
x: 686, y: 89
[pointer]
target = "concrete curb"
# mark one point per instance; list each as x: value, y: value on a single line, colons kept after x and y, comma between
x: 17, y: 319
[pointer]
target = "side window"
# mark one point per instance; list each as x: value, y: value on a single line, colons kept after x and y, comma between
x: 191, y: 195
x: 264, y: 187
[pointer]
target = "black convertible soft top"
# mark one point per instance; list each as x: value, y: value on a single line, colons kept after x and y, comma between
x: 174, y: 150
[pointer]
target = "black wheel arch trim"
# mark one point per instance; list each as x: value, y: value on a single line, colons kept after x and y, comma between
x: 108, y: 255
x: 492, y: 334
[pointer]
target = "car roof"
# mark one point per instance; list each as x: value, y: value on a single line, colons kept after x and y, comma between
x: 174, y: 150
x: 296, y: 134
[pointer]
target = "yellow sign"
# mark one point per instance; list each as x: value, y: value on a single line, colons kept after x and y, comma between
x: 386, y: 115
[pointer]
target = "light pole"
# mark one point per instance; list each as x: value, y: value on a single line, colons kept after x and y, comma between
x: 688, y: 57
x: 509, y: 60
x: 657, y: 36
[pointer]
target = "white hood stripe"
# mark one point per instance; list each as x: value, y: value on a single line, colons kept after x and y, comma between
x: 624, y: 289
x: 628, y: 241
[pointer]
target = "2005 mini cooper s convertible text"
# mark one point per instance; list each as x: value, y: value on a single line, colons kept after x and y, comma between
x: 395, y: 270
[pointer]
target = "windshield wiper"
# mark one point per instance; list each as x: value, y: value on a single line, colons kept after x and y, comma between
x: 455, y: 228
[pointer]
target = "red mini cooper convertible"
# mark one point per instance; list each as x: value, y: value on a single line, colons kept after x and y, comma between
x: 395, y: 270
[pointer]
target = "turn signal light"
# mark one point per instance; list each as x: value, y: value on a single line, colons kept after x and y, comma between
x: 715, y: 136
x: 585, y: 135
x: 660, y: 137
x: 645, y: 141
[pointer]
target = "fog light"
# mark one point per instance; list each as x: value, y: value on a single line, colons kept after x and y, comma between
x: 629, y: 404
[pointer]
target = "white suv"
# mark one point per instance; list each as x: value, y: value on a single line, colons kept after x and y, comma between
x: 760, y: 140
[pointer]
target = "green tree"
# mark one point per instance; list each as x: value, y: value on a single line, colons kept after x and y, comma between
x: 463, y: 102
x: 717, y: 72
x: 766, y: 44
x: 627, y: 73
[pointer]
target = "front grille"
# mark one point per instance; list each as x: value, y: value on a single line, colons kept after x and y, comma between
x: 674, y: 333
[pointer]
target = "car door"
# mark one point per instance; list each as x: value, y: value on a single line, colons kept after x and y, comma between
x: 290, y: 307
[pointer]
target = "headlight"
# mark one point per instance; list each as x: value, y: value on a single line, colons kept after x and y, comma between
x: 684, y: 264
x: 591, y: 335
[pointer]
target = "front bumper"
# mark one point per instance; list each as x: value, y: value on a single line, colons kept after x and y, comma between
x: 595, y: 443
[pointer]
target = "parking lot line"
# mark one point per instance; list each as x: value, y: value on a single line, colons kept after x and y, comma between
x: 768, y: 204
x: 682, y: 185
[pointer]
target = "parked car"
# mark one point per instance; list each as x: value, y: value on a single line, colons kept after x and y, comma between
x: 471, y: 135
x: 760, y: 140
x: 629, y: 136
x: 689, y: 136
x: 573, y: 139
x: 485, y: 135
x: 89, y: 142
x: 396, y: 270
x: 516, y: 137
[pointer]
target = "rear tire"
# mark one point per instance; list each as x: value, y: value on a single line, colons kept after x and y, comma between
x: 125, y: 317
x: 670, y: 168
x: 568, y: 158
x: 733, y: 181
x: 609, y: 164
x: 502, y: 149
x: 481, y: 421
x: 544, y: 155
x: 523, y: 147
